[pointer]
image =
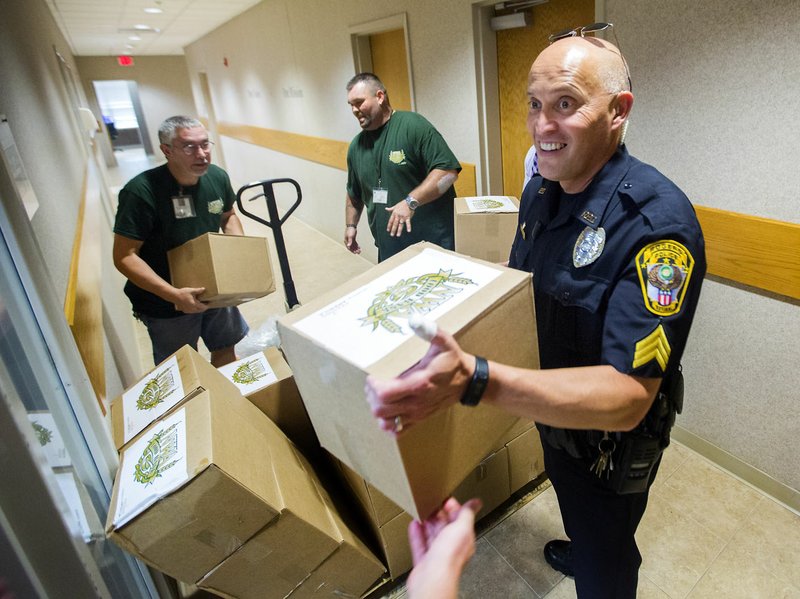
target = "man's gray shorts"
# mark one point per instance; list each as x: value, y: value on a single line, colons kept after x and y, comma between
x: 219, y: 328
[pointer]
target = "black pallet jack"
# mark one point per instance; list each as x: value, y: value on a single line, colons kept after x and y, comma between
x: 275, y: 222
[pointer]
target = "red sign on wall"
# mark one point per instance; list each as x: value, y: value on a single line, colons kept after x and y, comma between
x: 125, y: 61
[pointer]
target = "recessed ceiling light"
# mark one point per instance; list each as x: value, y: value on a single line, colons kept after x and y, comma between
x: 153, y: 11
x: 142, y: 27
x: 134, y: 38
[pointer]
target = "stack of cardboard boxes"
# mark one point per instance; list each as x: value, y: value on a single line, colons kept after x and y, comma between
x: 361, y: 329
x: 517, y: 460
x: 212, y: 492
x: 216, y: 485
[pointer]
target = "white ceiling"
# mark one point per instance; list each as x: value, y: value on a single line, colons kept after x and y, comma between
x: 103, y: 27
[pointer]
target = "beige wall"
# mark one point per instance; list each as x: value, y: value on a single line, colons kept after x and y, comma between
x: 283, y: 46
x: 163, y: 83
x: 717, y: 87
x: 33, y: 96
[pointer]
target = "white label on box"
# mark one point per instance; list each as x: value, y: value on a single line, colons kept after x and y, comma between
x: 151, y: 397
x: 491, y: 204
x: 372, y: 321
x: 250, y: 374
x: 152, y: 467
x: 78, y: 524
x: 44, y: 426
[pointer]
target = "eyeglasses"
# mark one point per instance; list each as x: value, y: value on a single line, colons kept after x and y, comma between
x: 191, y: 149
x: 589, y: 29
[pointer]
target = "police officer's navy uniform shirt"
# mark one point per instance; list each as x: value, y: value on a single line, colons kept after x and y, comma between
x: 617, y: 271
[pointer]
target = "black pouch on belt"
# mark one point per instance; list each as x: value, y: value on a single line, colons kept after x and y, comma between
x: 639, y: 450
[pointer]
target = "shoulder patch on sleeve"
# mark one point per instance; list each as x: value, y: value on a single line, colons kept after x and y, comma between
x: 653, y: 347
x: 664, y: 268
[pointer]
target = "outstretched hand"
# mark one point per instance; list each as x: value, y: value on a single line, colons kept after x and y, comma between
x: 440, y: 547
x: 438, y: 380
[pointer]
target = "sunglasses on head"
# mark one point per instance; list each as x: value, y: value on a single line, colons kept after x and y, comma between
x: 588, y: 30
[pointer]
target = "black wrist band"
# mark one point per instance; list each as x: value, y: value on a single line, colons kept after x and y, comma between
x: 350, y: 226
x: 478, y: 383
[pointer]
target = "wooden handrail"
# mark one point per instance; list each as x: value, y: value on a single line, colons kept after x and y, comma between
x: 753, y: 251
x: 329, y: 152
x: 757, y: 252
x: 83, y: 308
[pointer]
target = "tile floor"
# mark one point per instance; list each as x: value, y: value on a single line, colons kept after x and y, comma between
x: 705, y: 534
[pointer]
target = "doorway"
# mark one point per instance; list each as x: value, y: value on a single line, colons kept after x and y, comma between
x: 503, y: 59
x: 122, y: 114
x: 381, y: 47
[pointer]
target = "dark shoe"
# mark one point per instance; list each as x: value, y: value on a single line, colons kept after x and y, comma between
x: 558, y: 554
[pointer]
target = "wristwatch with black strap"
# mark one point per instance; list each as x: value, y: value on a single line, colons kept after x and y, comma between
x: 477, y: 385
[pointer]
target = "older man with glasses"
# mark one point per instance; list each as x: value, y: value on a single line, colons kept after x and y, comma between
x: 617, y: 258
x: 160, y: 209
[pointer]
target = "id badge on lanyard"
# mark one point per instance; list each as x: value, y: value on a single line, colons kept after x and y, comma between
x: 183, y: 206
x: 380, y: 195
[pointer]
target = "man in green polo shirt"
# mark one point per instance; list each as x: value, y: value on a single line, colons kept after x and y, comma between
x: 163, y: 208
x: 401, y: 169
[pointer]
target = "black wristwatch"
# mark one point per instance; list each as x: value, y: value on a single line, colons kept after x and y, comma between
x: 412, y: 203
x: 477, y: 385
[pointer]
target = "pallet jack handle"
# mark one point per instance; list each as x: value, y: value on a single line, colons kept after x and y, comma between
x: 275, y: 222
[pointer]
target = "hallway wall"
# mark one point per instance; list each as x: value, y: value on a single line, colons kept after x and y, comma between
x: 287, y: 66
x: 716, y: 86
x: 34, y: 98
x: 163, y: 83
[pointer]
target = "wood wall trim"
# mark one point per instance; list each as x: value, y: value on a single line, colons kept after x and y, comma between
x: 753, y: 251
x: 72, y: 277
x: 329, y: 152
x: 83, y: 308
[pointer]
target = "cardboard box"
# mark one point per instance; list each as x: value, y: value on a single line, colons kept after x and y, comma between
x: 394, y: 544
x: 184, y: 374
x: 485, y: 226
x: 489, y: 481
x: 387, y: 521
x: 266, y: 380
x: 178, y: 481
x: 211, y: 480
x: 299, y: 549
x: 335, y: 341
x: 349, y: 572
x: 232, y: 268
x: 525, y: 459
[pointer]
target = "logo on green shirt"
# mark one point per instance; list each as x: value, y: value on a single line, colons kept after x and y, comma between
x: 216, y: 206
x: 397, y: 156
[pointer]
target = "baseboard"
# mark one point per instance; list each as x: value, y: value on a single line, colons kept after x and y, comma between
x: 753, y: 476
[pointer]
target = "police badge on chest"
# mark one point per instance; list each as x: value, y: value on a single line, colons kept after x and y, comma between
x: 589, y: 246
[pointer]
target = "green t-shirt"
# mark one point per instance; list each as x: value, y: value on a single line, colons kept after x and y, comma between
x: 146, y: 213
x: 401, y: 154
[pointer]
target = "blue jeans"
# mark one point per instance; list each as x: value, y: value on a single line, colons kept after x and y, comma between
x: 219, y: 328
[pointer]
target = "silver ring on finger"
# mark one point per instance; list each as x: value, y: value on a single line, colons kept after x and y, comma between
x: 398, y: 424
